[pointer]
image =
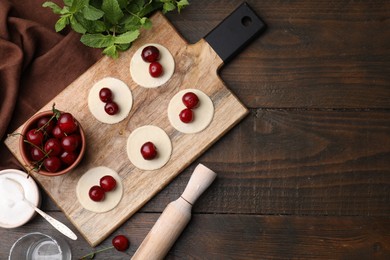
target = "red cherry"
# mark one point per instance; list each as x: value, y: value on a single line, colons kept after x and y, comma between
x: 148, y: 151
x: 96, y: 193
x: 35, y: 137
x: 111, y: 108
x: 105, y: 95
x: 70, y: 143
x: 155, y: 69
x: 186, y: 115
x: 52, y: 164
x: 46, y: 123
x: 108, y: 183
x: 150, y: 53
x: 120, y: 242
x: 190, y: 100
x: 36, y: 154
x: 53, y: 147
x: 67, y: 123
x: 57, y: 132
x: 68, y: 157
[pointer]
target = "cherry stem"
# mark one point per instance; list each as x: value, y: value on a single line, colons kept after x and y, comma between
x: 92, y: 255
x: 38, y: 164
x: 55, y: 115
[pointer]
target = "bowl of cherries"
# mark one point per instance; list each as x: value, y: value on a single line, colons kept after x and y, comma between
x: 52, y: 143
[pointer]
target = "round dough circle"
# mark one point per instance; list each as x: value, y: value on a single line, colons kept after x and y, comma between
x: 203, y: 114
x: 91, y: 178
x: 158, y: 137
x: 139, y: 69
x: 121, y: 95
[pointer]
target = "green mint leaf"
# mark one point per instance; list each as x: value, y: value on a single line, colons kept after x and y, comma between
x: 123, y: 47
x: 110, y: 24
x: 97, y: 40
x: 92, y: 13
x: 181, y: 4
x: 111, y: 51
x: 61, y: 23
x: 123, y: 3
x: 168, y: 6
x: 54, y: 7
x: 76, y: 26
x: 146, y: 23
x: 113, y: 12
x: 127, y: 37
x: 91, y: 26
x: 77, y: 5
x: 130, y: 23
x: 65, y: 10
x: 68, y: 2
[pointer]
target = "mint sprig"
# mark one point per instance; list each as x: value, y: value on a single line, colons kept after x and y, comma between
x: 111, y: 25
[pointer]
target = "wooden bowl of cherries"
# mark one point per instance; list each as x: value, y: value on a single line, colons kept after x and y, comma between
x: 52, y: 143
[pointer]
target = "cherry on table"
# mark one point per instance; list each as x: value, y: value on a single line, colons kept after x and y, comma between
x: 150, y: 53
x: 148, y: 151
x: 111, y: 108
x: 120, y: 242
x: 105, y: 95
x: 107, y: 182
x: 35, y: 137
x: 67, y: 123
x: 96, y: 193
x: 53, y: 147
x: 186, y: 115
x: 155, y: 69
x: 190, y: 100
x: 52, y: 164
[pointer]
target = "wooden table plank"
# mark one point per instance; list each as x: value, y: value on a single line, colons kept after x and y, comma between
x: 306, y: 174
x: 297, y: 162
x: 317, y: 54
x: 214, y: 236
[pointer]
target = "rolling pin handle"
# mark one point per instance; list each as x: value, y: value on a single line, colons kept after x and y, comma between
x: 200, y: 180
x: 174, y: 218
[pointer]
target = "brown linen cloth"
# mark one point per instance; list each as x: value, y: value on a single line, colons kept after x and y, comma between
x: 36, y: 64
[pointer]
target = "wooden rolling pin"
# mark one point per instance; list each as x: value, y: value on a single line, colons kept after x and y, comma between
x: 175, y: 217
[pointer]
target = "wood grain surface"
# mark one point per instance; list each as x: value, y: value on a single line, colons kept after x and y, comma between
x: 195, y: 67
x: 306, y: 175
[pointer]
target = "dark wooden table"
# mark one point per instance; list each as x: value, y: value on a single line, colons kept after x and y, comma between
x: 307, y: 173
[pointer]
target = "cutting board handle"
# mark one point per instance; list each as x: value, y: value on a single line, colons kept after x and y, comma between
x: 235, y: 32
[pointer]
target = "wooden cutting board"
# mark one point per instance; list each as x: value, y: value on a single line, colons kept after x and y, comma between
x: 196, y: 66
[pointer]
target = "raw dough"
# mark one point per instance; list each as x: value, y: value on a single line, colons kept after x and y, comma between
x: 139, y: 69
x: 145, y: 134
x: 121, y: 95
x: 203, y: 114
x: 91, y: 178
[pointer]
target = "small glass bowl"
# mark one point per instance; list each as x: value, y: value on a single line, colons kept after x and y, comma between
x: 39, y: 246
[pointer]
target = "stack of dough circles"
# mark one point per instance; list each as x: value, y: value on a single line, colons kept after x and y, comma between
x: 158, y: 137
x: 203, y: 114
x: 121, y: 95
x: 139, y: 69
x: 92, y: 177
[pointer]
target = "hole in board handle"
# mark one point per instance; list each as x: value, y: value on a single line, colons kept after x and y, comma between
x: 246, y: 21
